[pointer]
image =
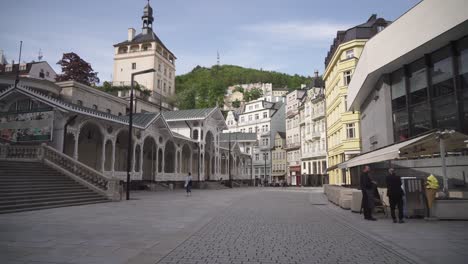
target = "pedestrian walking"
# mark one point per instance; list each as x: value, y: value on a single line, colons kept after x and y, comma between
x: 395, y: 195
x: 188, y: 184
x: 367, y: 189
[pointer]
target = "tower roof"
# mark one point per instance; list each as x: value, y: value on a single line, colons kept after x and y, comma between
x: 148, y: 13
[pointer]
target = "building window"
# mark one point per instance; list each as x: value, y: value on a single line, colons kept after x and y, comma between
x: 242, y: 119
x: 256, y: 116
x: 108, y: 111
x: 265, y: 114
x: 22, y: 67
x: 79, y: 102
x: 41, y: 73
x: 133, y: 66
x: 120, y: 114
x: 47, y: 74
x: 347, y: 77
x: 250, y: 130
x: 350, y: 132
x: 350, y: 54
x: 95, y: 107
x: 463, y: 71
x: 418, y: 82
x: 250, y: 117
x: 380, y: 28
x: 256, y: 157
x: 398, y: 90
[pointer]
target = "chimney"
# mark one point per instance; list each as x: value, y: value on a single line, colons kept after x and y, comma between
x: 131, y: 34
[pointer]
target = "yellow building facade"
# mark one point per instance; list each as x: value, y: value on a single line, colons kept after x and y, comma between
x: 343, y: 130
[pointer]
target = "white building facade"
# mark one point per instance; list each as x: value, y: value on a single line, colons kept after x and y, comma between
x: 313, y: 136
x: 265, y: 119
x: 293, y: 136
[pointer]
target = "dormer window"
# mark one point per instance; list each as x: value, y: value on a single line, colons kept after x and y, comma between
x: 350, y: 54
x: 41, y: 73
x: 79, y: 102
x: 380, y: 28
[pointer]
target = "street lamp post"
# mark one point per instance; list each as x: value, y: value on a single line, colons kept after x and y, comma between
x: 265, y: 174
x: 130, y: 129
x: 229, y: 162
x: 442, y: 136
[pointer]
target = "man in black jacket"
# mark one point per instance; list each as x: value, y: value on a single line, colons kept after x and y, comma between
x: 395, y: 195
x: 367, y: 189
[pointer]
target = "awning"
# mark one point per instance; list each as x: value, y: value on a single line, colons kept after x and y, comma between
x: 383, y: 154
x: 454, y: 142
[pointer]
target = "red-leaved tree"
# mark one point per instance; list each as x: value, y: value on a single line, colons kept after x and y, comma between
x: 76, y: 69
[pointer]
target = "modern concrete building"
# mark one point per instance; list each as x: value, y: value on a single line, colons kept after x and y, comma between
x: 343, y: 140
x: 279, y: 161
x: 146, y: 51
x: 313, y: 134
x: 265, y: 119
x: 405, y: 92
x: 293, y: 135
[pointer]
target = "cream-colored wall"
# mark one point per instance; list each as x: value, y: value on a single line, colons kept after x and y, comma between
x: 150, y: 59
x: 73, y: 91
x: 338, y: 146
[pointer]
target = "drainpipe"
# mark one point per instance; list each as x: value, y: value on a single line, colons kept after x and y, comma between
x: 65, y: 131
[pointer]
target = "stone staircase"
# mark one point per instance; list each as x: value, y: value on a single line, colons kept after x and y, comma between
x: 32, y: 185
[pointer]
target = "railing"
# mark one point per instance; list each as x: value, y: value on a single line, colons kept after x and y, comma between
x: 20, y: 152
x: 318, y: 114
x: 293, y: 145
x: 291, y: 113
x: 93, y: 179
x: 84, y: 172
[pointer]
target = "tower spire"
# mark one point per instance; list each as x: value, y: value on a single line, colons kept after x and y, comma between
x: 147, y: 19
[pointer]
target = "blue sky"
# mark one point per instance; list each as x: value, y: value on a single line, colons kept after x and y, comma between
x: 287, y: 36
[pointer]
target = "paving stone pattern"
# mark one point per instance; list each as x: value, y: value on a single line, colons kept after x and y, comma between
x: 279, y: 227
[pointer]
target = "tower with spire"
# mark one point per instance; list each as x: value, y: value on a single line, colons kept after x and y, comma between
x: 145, y: 51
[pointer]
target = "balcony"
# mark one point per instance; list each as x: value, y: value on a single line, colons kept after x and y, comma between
x: 292, y: 146
x: 264, y: 147
x: 265, y: 133
x: 291, y: 113
x: 317, y: 115
x: 316, y: 135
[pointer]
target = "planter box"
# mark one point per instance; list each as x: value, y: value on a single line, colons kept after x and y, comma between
x: 456, y: 209
x: 356, y: 201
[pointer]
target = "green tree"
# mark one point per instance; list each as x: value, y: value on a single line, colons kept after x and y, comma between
x: 206, y: 87
x: 236, y: 103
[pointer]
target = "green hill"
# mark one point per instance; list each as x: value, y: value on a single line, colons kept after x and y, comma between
x: 203, y: 87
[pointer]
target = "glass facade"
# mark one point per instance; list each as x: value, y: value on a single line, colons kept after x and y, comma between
x: 463, y: 74
x: 424, y: 93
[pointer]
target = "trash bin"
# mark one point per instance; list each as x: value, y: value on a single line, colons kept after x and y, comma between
x: 414, y: 201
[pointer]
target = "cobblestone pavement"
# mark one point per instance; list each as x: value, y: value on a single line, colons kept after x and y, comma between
x: 245, y: 225
x: 279, y: 227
